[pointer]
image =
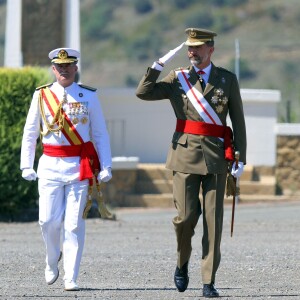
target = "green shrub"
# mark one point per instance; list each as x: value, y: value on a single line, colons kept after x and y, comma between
x: 95, y: 24
x: 201, y: 19
x: 245, y: 71
x: 16, y: 89
x: 182, y: 4
x: 143, y: 7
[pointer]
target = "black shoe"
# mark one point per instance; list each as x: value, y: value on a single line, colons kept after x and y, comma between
x: 181, y: 278
x: 209, y: 291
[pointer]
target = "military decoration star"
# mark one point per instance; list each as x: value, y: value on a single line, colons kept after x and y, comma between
x: 225, y: 100
x: 219, y: 92
x: 214, y: 99
x: 219, y: 108
x: 219, y: 100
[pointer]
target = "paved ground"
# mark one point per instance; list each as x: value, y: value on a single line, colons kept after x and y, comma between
x: 135, y: 256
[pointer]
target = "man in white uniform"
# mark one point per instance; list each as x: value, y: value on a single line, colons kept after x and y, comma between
x: 76, y: 148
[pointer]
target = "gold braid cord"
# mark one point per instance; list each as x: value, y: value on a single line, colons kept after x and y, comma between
x: 103, y: 211
x: 231, y: 188
x: 89, y: 203
x: 57, y: 122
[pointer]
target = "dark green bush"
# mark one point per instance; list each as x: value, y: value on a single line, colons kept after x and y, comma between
x: 143, y: 7
x: 182, y: 4
x: 245, y: 71
x: 201, y: 19
x: 16, y: 89
x: 95, y: 23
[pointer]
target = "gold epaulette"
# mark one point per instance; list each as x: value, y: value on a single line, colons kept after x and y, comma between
x: 43, y: 86
x: 87, y: 87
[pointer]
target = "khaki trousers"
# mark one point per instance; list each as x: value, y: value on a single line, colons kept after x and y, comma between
x: 186, y: 189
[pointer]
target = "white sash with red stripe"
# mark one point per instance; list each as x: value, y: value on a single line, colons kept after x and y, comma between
x: 204, y: 109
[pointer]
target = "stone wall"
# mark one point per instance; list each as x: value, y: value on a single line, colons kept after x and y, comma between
x: 43, y: 29
x: 287, y: 169
x: 122, y: 184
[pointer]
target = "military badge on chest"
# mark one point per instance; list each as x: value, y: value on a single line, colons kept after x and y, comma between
x: 78, y: 112
x: 219, y: 100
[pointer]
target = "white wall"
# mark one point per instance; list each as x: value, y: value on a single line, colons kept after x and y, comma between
x: 144, y: 129
x: 137, y: 128
x: 260, y: 109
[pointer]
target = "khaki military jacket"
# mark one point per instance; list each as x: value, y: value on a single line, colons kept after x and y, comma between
x: 197, y: 154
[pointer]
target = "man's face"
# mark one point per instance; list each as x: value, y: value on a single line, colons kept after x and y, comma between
x: 65, y: 73
x: 199, y: 56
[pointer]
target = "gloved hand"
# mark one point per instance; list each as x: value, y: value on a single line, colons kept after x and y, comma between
x: 29, y: 174
x: 166, y: 58
x: 105, y: 175
x: 239, y: 171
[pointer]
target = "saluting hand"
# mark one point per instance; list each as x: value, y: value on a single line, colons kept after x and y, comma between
x: 166, y: 58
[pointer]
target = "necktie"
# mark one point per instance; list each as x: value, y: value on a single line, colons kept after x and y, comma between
x: 202, y: 82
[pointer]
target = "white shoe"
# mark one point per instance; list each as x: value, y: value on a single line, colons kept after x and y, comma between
x: 51, y: 275
x: 70, y: 285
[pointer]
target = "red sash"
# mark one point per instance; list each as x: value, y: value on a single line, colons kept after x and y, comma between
x: 89, y: 160
x: 202, y: 128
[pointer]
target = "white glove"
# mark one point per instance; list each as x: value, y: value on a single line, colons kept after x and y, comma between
x: 239, y: 171
x: 29, y: 174
x: 166, y: 58
x: 105, y: 175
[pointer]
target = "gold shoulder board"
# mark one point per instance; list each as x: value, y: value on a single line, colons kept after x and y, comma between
x: 87, y: 87
x: 43, y: 86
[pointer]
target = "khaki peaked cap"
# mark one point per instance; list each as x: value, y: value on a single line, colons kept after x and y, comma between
x: 199, y: 36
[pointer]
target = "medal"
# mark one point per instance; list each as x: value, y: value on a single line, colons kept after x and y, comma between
x: 75, y: 121
x: 84, y: 120
x: 219, y: 109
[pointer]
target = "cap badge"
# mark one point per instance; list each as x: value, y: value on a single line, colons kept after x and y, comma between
x: 193, y: 34
x: 62, y: 54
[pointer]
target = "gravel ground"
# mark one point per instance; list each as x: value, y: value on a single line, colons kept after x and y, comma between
x: 134, y: 257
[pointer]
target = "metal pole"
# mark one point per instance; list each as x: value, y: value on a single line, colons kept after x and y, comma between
x: 288, y: 111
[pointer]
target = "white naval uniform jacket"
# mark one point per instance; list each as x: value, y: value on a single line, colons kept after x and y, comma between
x: 66, y: 168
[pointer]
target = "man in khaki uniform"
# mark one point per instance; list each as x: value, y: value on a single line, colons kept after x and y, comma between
x: 202, y: 95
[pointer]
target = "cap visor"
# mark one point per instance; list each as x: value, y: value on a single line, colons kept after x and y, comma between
x: 63, y: 61
x: 198, y: 43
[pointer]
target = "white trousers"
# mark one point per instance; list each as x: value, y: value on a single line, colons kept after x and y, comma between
x: 61, y: 206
